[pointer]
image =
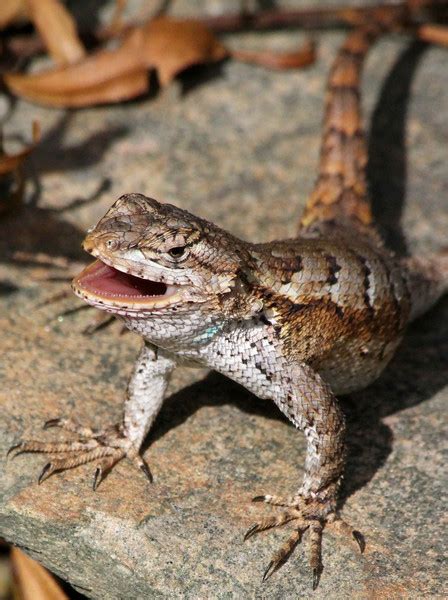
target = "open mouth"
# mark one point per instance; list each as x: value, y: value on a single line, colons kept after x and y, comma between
x: 113, y: 287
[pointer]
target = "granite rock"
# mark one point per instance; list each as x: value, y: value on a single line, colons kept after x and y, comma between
x: 238, y: 145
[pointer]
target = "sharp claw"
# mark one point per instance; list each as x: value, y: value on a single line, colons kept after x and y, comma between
x: 251, y: 531
x: 52, y: 423
x: 316, y: 577
x: 146, y: 471
x: 259, y: 499
x: 267, y: 574
x: 360, y: 540
x: 46, y: 472
x: 11, y: 450
x: 97, y: 478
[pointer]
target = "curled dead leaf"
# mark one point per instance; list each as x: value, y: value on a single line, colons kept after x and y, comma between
x: 107, y: 76
x: 10, y: 11
x: 166, y: 45
x: 58, y: 30
x: 172, y: 45
x: 32, y: 581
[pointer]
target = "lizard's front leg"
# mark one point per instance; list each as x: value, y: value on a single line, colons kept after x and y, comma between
x: 108, y: 446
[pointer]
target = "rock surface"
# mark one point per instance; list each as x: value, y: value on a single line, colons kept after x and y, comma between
x: 237, y: 145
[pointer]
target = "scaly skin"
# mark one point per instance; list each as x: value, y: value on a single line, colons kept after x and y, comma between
x: 294, y: 321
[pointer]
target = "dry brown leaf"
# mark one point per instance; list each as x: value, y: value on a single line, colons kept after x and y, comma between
x: 116, y: 89
x: 106, y: 76
x: 58, y: 30
x: 32, y: 581
x: 167, y: 45
x: 173, y: 45
x: 10, y: 11
x: 11, y: 162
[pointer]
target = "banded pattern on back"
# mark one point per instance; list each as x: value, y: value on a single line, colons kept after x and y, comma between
x: 342, y: 312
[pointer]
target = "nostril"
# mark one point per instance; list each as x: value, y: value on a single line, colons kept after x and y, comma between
x: 87, y: 246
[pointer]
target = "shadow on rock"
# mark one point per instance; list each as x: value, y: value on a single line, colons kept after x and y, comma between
x: 31, y: 229
x: 387, y: 170
x: 199, y: 75
x: 213, y: 390
x: 418, y: 371
x: 52, y: 155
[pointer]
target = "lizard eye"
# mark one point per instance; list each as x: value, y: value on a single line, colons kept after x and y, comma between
x: 112, y: 244
x: 177, y: 251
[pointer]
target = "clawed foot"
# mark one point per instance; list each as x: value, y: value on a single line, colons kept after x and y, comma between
x: 107, y: 447
x: 304, y: 514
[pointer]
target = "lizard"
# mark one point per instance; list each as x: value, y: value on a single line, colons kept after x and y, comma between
x: 296, y: 321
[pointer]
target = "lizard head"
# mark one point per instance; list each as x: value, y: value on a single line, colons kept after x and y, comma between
x: 154, y: 257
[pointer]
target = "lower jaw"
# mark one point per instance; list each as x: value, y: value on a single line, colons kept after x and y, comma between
x: 126, y: 307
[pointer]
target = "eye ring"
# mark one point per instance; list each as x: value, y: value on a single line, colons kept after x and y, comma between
x: 112, y: 244
x: 177, y: 251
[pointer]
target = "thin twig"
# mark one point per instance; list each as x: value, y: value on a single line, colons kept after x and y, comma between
x: 434, y: 34
x: 302, y: 57
x: 410, y: 13
x: 306, y: 18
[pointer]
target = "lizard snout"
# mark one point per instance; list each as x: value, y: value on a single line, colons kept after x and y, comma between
x: 88, y: 244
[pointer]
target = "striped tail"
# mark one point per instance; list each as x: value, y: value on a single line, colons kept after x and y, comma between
x: 340, y: 195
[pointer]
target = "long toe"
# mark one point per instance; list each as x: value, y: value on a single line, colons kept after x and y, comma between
x: 304, y: 514
x: 106, y: 447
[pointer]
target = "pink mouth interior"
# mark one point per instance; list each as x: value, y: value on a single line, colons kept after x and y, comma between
x: 103, y: 280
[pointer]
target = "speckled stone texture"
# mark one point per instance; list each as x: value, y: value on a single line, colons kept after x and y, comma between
x: 238, y: 145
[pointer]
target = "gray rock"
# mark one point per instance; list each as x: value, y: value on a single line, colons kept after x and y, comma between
x: 239, y: 147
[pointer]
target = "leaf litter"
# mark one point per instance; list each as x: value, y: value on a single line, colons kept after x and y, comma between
x: 163, y: 44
